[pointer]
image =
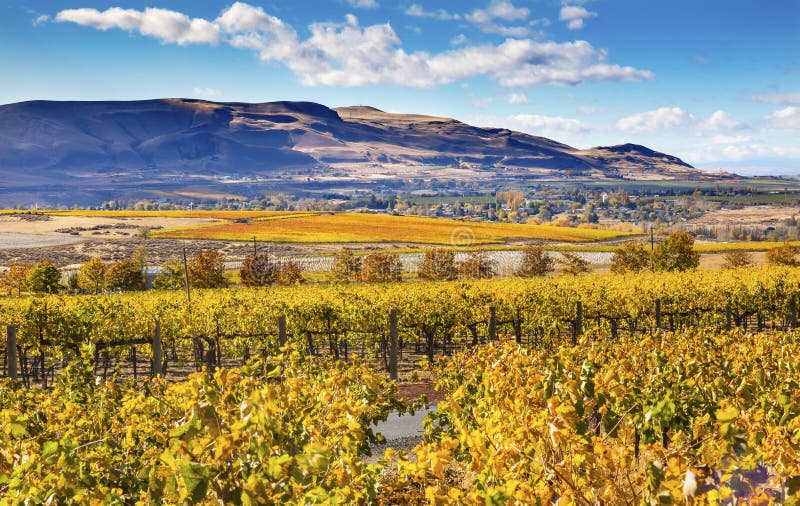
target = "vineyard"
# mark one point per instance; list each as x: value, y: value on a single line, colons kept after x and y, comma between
x: 599, y: 389
x: 359, y: 227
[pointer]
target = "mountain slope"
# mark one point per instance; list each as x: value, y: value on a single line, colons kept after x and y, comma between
x: 59, y: 145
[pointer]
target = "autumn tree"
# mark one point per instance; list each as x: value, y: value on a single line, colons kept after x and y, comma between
x: 736, y: 258
x: 381, y: 268
x: 44, y: 277
x: 288, y: 273
x: 92, y: 276
x: 346, y: 267
x: 535, y: 262
x: 632, y: 256
x: 572, y: 263
x: 257, y: 270
x: 785, y: 254
x: 15, y: 279
x: 438, y: 264
x: 207, y: 270
x: 676, y: 253
x: 477, y: 265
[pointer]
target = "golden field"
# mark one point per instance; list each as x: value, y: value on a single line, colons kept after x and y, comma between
x: 356, y: 227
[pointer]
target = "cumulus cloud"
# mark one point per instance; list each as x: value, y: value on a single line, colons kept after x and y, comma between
x: 536, y: 124
x: 347, y: 54
x: 720, y: 120
x: 516, y: 98
x: 459, y: 40
x: 363, y: 4
x: 655, y: 120
x: 206, y: 92
x: 419, y: 11
x: 575, y: 15
x: 504, y: 10
x: 168, y: 26
x: 790, y: 98
x: 788, y: 118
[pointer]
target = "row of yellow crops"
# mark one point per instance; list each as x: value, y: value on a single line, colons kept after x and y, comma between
x: 544, y: 308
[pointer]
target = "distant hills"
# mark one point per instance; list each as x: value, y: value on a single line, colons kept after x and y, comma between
x: 54, y: 151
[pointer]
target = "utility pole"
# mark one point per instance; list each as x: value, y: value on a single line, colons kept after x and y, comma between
x: 255, y: 248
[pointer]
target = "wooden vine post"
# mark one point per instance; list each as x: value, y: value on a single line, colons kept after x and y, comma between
x: 393, y: 344
x: 658, y: 314
x: 492, y: 323
x: 282, y: 330
x: 158, y: 354
x: 578, y: 325
x: 11, y: 351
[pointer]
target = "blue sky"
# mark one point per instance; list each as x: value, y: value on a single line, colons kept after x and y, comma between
x: 716, y: 82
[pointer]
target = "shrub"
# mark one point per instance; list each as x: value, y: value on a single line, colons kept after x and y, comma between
x: 438, y: 265
x: 535, y: 262
x: 734, y: 259
x: 92, y: 276
x: 381, y: 268
x: 478, y: 265
x: 207, y: 270
x: 676, y: 253
x: 783, y: 255
x: 572, y: 263
x: 44, y: 277
x: 632, y: 256
x: 288, y: 273
x: 257, y: 270
x: 346, y: 267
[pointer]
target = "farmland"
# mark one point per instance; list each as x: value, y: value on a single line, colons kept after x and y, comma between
x: 381, y: 228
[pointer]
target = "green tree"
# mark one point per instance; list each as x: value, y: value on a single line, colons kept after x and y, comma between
x: 632, y: 256
x: 170, y: 277
x: 535, y: 262
x: 127, y: 274
x: 92, y: 276
x: 438, y: 264
x: 676, y: 253
x: 44, y: 277
x: 207, y: 270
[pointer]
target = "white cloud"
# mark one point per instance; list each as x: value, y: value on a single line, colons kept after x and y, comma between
x: 459, y: 40
x: 535, y: 124
x: 206, y: 92
x: 347, y: 54
x: 482, y: 103
x: 742, y: 151
x: 418, y: 11
x: 517, y: 98
x: 658, y: 119
x: 503, y: 10
x: 720, y: 120
x: 590, y: 109
x: 790, y: 98
x: 363, y: 4
x: 41, y: 19
x: 729, y: 139
x: 575, y: 16
x: 788, y: 118
x: 163, y: 24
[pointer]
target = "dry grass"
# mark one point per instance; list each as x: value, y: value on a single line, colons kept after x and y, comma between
x: 357, y: 228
